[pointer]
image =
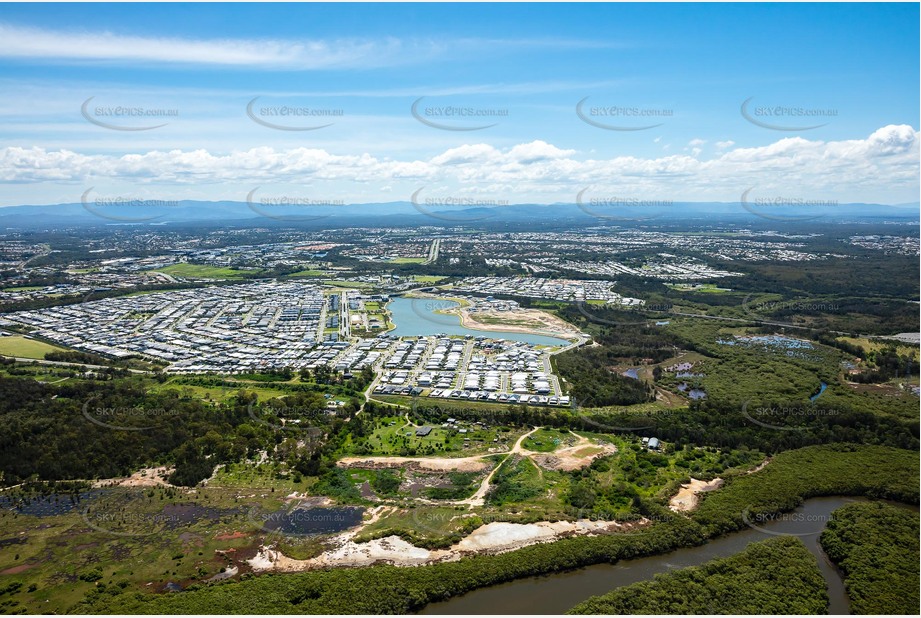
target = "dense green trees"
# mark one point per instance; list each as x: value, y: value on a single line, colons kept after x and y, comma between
x: 777, y: 576
x: 101, y: 429
x: 793, y: 476
x: 594, y: 383
x: 876, y: 545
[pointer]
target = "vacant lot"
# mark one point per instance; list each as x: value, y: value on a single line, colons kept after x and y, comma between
x: 21, y: 347
x: 201, y: 271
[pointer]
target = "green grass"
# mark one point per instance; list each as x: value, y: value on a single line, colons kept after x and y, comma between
x: 309, y: 273
x: 517, y: 480
x: 874, y: 345
x: 340, y: 283
x: 387, y: 439
x: 407, y: 260
x: 219, y: 394
x: 266, y: 476
x: 19, y: 346
x: 707, y: 288
x: 25, y: 288
x: 427, y: 278
x: 547, y: 440
x: 202, y: 271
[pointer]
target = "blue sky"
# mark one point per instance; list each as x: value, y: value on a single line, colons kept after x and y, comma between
x: 853, y: 68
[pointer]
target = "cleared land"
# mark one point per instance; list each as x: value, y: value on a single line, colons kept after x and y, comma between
x: 21, y: 347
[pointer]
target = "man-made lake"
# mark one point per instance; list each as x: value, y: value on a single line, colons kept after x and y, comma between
x: 417, y: 317
x: 559, y: 592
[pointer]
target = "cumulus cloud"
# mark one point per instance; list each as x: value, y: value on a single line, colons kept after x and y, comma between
x: 885, y: 161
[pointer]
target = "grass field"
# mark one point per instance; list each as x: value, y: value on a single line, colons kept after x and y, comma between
x: 339, y: 283
x: 710, y: 288
x: 407, y: 260
x: 219, y: 394
x: 201, y: 271
x: 19, y: 346
x: 25, y: 288
x: 309, y: 273
x: 873, y: 345
x: 427, y: 278
x: 390, y: 438
x: 547, y: 440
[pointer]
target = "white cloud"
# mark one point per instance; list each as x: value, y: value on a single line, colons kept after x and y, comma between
x: 697, y: 142
x: 36, y: 43
x: 25, y: 42
x: 724, y: 145
x: 882, y: 167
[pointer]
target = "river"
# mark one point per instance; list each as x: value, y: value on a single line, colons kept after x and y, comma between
x: 417, y: 317
x: 559, y: 592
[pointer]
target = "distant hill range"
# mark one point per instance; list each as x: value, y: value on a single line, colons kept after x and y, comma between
x: 409, y: 214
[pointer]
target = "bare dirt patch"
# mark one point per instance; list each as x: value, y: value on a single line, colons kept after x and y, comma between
x: 520, y: 321
x: 576, y: 457
x: 496, y: 537
x: 687, y: 497
x: 145, y: 477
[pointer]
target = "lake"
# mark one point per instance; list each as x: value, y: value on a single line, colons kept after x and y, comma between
x: 417, y: 317
x: 312, y: 521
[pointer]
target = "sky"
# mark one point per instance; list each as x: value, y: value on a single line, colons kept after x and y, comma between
x: 512, y: 103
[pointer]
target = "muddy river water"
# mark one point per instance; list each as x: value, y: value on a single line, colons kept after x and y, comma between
x: 559, y: 592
